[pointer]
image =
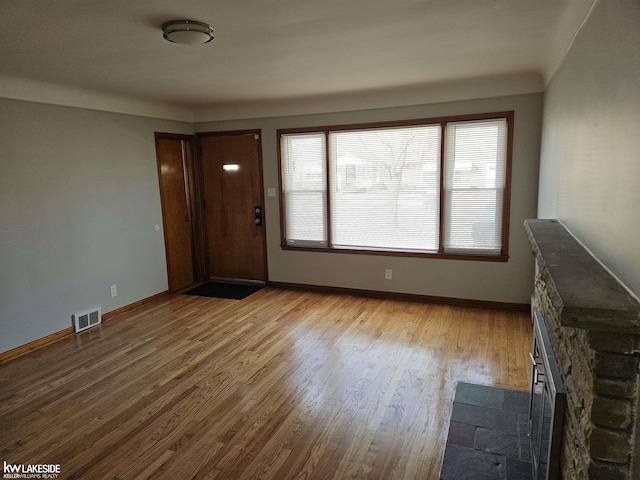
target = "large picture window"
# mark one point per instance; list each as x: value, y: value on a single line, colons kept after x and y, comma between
x: 431, y: 187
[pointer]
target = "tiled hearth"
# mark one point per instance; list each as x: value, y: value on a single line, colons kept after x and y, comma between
x: 487, y: 437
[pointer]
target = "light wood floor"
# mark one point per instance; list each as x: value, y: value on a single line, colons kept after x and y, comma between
x: 281, y: 385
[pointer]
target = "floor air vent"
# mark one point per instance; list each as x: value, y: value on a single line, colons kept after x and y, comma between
x: 87, y: 319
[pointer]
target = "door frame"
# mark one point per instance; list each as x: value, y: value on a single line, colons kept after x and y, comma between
x: 204, y: 237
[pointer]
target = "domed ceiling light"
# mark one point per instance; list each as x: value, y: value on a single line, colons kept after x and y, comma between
x: 187, y: 32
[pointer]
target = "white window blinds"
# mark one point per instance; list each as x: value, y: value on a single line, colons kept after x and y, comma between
x: 304, y: 185
x: 430, y: 187
x: 384, y: 188
x: 475, y: 158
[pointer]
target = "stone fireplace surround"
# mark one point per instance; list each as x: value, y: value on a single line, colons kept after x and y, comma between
x: 594, y: 326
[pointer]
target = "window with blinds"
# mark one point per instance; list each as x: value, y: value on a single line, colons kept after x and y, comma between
x: 384, y: 188
x: 304, y: 185
x: 434, y: 187
x: 475, y: 163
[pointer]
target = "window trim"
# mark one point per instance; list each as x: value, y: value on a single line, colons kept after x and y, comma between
x: 503, y: 256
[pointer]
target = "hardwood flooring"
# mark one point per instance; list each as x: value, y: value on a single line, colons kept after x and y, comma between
x: 281, y: 385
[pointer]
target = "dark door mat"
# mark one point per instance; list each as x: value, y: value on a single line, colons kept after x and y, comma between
x: 488, y: 435
x: 233, y: 291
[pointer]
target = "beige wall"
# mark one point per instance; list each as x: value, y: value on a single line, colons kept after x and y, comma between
x: 499, y: 282
x: 590, y: 165
x: 79, y: 199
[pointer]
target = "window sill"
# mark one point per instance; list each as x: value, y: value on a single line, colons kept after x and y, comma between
x: 399, y: 253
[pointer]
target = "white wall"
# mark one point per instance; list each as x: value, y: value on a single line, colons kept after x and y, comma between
x: 79, y: 199
x: 590, y: 165
x: 499, y: 282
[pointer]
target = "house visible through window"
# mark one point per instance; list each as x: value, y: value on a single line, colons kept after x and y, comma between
x: 431, y: 187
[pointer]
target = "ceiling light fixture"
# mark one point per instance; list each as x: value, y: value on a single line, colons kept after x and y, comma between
x: 187, y: 32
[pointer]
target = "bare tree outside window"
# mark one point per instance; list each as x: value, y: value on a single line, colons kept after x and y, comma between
x: 385, y: 187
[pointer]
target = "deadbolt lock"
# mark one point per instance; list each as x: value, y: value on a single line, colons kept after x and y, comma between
x: 258, y: 211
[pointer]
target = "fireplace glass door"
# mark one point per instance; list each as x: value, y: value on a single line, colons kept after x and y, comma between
x: 546, y: 407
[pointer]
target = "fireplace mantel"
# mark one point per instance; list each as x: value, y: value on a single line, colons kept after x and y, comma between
x: 594, y: 329
x: 585, y: 293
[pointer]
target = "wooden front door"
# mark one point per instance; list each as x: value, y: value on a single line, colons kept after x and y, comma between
x: 174, y: 155
x: 232, y: 190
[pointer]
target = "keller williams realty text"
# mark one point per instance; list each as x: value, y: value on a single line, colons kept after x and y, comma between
x: 31, y: 471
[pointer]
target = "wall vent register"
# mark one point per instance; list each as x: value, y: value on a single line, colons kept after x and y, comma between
x: 87, y: 319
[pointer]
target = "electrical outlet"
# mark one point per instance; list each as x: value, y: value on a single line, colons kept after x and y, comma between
x: 114, y: 290
x: 388, y: 274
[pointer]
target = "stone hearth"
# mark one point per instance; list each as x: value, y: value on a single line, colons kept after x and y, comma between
x: 594, y: 327
x: 487, y: 437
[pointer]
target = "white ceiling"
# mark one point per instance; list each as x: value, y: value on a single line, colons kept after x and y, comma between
x: 279, y: 56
